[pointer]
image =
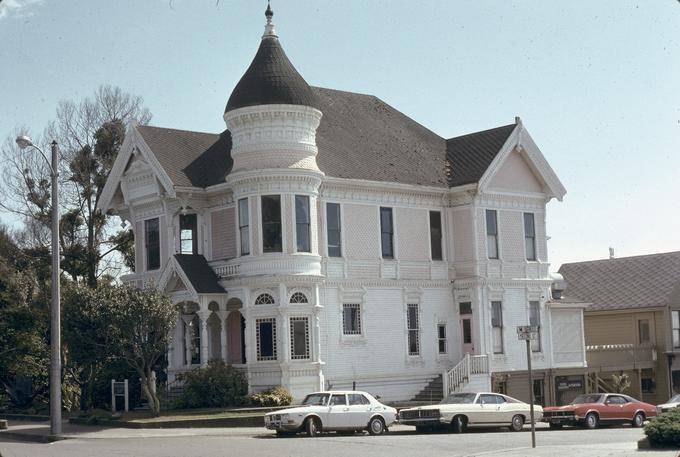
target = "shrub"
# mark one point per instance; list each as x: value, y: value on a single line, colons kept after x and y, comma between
x: 217, y: 385
x: 276, y: 396
x: 665, y: 429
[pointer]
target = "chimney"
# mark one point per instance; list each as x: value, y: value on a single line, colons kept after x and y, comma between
x: 611, y: 253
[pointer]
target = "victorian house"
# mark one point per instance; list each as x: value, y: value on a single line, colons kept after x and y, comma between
x: 325, y: 239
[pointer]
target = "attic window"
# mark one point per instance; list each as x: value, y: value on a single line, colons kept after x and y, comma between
x: 188, y: 241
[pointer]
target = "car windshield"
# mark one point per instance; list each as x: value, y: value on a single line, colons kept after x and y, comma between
x: 674, y: 399
x: 587, y: 399
x: 316, y: 400
x: 459, y: 399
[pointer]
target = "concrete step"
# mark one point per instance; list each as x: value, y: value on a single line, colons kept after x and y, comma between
x: 3, y: 424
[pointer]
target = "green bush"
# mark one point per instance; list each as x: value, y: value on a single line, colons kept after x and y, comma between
x: 217, y: 385
x: 665, y: 429
x: 276, y: 396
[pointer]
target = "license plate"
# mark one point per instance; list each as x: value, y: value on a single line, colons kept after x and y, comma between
x: 555, y: 421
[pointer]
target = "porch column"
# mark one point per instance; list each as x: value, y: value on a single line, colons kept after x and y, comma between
x: 186, y: 318
x: 316, y: 347
x: 203, y: 316
x: 223, y: 333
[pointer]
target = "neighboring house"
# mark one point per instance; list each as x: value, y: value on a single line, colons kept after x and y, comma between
x: 632, y: 324
x: 327, y: 239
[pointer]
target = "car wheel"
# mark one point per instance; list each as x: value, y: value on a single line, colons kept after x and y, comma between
x: 555, y: 426
x: 638, y: 420
x: 459, y: 424
x: 312, y: 427
x: 376, y: 426
x: 517, y: 423
x: 591, y: 421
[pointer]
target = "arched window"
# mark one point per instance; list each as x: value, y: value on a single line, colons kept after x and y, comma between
x: 298, y: 297
x: 264, y: 299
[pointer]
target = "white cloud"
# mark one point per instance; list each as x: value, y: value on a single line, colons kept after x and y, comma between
x: 17, y: 8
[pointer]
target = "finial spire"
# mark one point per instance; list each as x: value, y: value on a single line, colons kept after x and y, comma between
x: 269, y: 28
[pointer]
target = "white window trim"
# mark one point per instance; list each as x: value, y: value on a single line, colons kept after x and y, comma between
x: 524, y: 231
x: 275, y: 338
x: 429, y: 234
x: 438, y: 339
x: 352, y: 297
x: 160, y: 244
x: 395, y: 253
x: 238, y: 227
x: 498, y: 235
x: 342, y: 228
x: 308, y: 336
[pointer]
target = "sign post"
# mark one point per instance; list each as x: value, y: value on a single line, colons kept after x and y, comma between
x: 529, y: 333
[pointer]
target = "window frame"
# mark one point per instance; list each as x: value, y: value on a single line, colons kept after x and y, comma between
x: 492, y: 234
x: 193, y: 228
x: 436, y: 237
x: 358, y: 320
x: 338, y: 230
x: 258, y: 339
x: 306, y: 353
x: 389, y: 232
x: 243, y: 229
x: 675, y: 328
x: 147, y: 244
x: 267, y: 226
x: 529, y: 220
x: 497, y: 323
x: 413, y: 329
x: 302, y: 227
x: 442, y: 340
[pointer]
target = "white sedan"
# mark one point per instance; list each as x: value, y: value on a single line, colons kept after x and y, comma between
x: 673, y: 402
x: 461, y: 410
x: 333, y: 411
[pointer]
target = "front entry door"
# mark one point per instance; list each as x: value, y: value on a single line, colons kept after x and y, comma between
x: 465, y: 312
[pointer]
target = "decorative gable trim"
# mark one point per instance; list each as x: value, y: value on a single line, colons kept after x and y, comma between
x: 520, y: 141
x: 133, y: 144
x: 172, y: 267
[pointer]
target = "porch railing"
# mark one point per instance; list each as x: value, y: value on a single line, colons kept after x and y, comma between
x: 458, y: 376
x: 611, y: 357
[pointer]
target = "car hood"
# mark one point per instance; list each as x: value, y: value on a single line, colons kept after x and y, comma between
x: 570, y: 407
x: 296, y: 410
x: 426, y: 407
x: 670, y: 405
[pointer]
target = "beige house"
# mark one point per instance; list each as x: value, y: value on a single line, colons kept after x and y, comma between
x: 629, y: 322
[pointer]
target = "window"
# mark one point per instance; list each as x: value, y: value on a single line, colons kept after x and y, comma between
x: 244, y: 226
x: 643, y: 331
x: 436, y: 235
x: 302, y: 223
x: 491, y: 234
x: 529, y: 236
x: 675, y: 318
x: 188, y: 241
x: 271, y: 223
x: 298, y: 297
x: 497, y: 326
x: 338, y: 400
x: 441, y: 338
x: 465, y: 308
x: 266, y: 338
x: 333, y: 229
x: 535, y: 320
x: 357, y: 399
x: 299, y: 338
x: 351, y: 319
x: 264, y: 299
x: 153, y: 244
x: 539, y: 393
x: 647, y: 381
x: 386, y: 233
x: 413, y: 325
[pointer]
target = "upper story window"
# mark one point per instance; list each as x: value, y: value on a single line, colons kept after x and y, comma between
x: 299, y: 338
x: 413, y: 324
x: 298, y: 297
x: 386, y: 233
x: 152, y: 242
x: 644, y: 333
x: 188, y: 239
x: 302, y: 223
x: 351, y: 319
x: 244, y: 226
x: 333, y: 230
x: 264, y: 299
x: 535, y: 320
x: 271, y: 223
x: 491, y: 234
x: 436, y: 235
x: 675, y: 319
x: 529, y: 236
x: 441, y: 338
x: 497, y: 326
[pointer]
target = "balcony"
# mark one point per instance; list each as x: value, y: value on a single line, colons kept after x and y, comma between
x: 615, y: 357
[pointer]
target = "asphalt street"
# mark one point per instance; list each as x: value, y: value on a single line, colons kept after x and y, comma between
x: 401, y: 441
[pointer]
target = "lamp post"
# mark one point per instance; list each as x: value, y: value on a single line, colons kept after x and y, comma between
x: 55, y: 317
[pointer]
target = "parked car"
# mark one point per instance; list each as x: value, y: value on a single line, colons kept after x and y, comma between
x: 462, y: 410
x: 590, y: 410
x: 673, y: 402
x: 333, y: 411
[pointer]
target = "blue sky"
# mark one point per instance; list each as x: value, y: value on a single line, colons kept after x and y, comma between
x: 596, y: 83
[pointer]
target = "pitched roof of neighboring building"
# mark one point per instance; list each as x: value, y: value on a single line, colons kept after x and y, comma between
x: 626, y: 283
x: 470, y: 155
x: 359, y: 137
x: 200, y: 274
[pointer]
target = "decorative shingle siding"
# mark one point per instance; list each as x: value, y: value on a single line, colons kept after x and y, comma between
x: 362, y: 230
x: 511, y: 236
x: 541, y: 240
x: 288, y: 223
x: 224, y: 234
x: 413, y: 234
x: 462, y: 235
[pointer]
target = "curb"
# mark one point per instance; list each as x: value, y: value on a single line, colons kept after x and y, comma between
x: 25, y: 417
x: 247, y: 421
x: 32, y: 437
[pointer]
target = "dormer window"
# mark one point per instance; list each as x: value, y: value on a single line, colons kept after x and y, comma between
x: 188, y: 239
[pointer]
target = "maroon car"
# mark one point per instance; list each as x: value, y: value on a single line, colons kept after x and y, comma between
x: 590, y: 410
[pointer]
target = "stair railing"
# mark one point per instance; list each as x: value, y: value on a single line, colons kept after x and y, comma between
x: 458, y: 376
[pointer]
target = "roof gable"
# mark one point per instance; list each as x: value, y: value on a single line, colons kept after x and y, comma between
x: 625, y: 283
x: 515, y: 174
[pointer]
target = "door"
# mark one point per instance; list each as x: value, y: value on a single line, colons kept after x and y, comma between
x: 613, y: 408
x: 465, y: 312
x: 359, y: 411
x: 235, y: 352
x: 337, y: 415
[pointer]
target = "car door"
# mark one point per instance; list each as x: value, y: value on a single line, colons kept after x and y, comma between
x: 613, y: 408
x: 488, y: 409
x: 505, y: 410
x: 336, y: 417
x: 359, y: 410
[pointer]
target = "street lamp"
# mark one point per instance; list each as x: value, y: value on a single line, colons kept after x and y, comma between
x: 55, y: 318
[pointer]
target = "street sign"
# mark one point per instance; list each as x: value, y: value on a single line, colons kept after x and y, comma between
x: 527, y: 332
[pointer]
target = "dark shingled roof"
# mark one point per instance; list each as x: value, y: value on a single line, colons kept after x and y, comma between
x: 470, y: 155
x: 360, y: 137
x: 629, y: 282
x: 271, y: 79
x: 202, y: 277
